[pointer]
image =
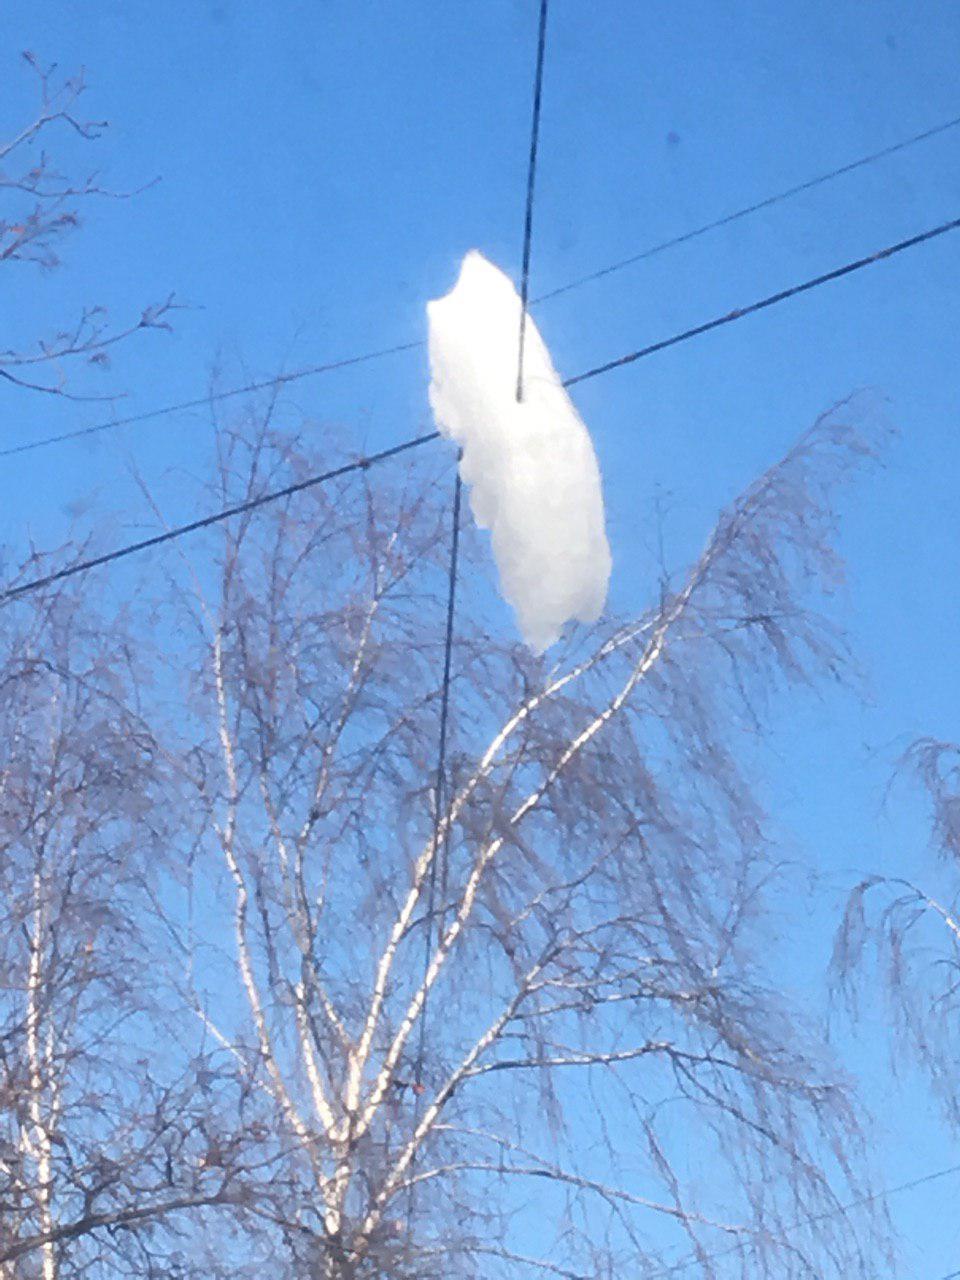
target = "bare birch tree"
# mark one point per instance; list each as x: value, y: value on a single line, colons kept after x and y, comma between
x: 104, y: 1130
x: 577, y: 1064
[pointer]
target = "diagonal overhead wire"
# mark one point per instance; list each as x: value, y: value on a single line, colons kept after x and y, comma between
x: 314, y: 370
x: 747, y: 210
x: 362, y: 463
x: 771, y: 300
x: 200, y: 402
x: 252, y: 504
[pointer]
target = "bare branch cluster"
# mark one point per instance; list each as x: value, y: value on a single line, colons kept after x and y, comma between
x: 911, y: 935
x: 39, y: 209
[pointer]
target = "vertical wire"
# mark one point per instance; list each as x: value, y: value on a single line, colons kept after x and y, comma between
x: 531, y: 181
x: 440, y: 845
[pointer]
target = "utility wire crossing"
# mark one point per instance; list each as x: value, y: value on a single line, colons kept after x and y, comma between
x: 362, y: 463
x: 395, y: 450
x: 314, y: 370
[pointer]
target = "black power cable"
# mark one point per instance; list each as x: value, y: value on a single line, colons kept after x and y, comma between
x: 439, y: 853
x: 745, y: 212
x: 200, y: 402
x: 770, y: 301
x: 12, y: 593
x: 313, y: 370
x: 441, y: 842
x: 440, y: 847
x: 363, y: 463
x: 531, y: 180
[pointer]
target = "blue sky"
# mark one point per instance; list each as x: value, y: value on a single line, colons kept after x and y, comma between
x: 323, y: 168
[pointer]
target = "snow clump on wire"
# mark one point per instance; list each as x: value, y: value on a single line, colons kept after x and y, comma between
x: 530, y: 467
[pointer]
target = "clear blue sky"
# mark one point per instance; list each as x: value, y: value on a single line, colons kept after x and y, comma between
x: 324, y: 167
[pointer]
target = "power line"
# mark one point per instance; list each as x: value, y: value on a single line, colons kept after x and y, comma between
x: 252, y: 504
x: 725, y: 221
x: 770, y: 301
x: 313, y: 370
x: 412, y: 346
x: 440, y: 843
x: 531, y: 178
x: 200, y: 402
x: 859, y: 1203
x: 363, y: 463
x: 441, y: 848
